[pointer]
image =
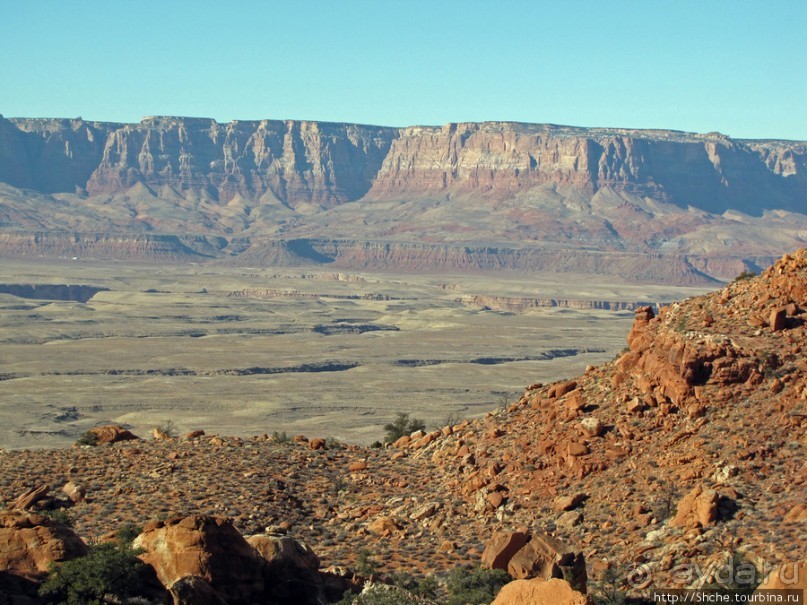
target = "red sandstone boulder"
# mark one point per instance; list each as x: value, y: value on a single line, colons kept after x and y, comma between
x: 275, y: 549
x: 384, y: 527
x: 796, y: 514
x: 75, y: 492
x: 564, y: 503
x: 778, y: 319
x: 317, y: 444
x: 209, y: 548
x: 111, y: 434
x: 539, y: 592
x: 642, y: 318
x: 193, y: 590
x: 501, y: 548
x: 545, y: 557
x: 30, y: 543
x: 536, y: 555
x: 698, y: 507
x: 290, y: 571
x: 402, y: 442
x: 561, y: 388
x: 32, y: 498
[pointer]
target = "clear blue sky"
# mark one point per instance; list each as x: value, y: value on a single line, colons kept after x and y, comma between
x: 738, y: 67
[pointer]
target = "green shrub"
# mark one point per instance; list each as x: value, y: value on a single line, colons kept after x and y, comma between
x: 106, y: 572
x: 475, y: 586
x: 365, y: 564
x: 419, y: 586
x: 609, y: 589
x: 402, y: 425
x: 281, y: 437
x: 128, y: 532
x: 168, y: 428
x: 332, y: 443
x: 59, y: 516
x: 745, y: 275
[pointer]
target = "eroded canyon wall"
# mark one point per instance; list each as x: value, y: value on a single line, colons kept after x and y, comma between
x: 327, y: 163
x: 653, y: 204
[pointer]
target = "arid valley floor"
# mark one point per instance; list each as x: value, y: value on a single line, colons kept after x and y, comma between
x: 246, y: 351
x: 678, y: 458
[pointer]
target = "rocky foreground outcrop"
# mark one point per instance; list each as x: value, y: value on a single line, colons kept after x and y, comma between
x: 791, y: 576
x: 208, y: 549
x: 198, y: 559
x: 202, y: 557
x: 110, y: 433
x: 30, y: 543
x: 665, y: 468
x: 689, y: 445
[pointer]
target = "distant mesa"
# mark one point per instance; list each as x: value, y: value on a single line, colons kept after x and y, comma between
x: 651, y: 205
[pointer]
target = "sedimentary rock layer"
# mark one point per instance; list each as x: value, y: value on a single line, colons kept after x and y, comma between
x: 649, y: 204
x: 328, y: 163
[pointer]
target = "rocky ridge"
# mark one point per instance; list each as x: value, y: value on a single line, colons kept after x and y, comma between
x: 685, y: 452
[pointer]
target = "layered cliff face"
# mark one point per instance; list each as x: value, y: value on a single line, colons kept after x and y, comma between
x: 324, y: 164
x: 328, y: 164
x: 420, y: 257
x: 711, y: 172
x: 716, y: 204
x: 295, y: 161
x: 51, y: 155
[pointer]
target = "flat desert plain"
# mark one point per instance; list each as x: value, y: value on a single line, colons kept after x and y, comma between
x: 246, y: 351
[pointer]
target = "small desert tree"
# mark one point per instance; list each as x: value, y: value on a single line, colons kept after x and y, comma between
x: 745, y: 275
x: 107, y: 571
x: 476, y: 586
x: 402, y: 425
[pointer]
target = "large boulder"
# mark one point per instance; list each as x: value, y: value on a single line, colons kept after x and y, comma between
x: 535, y: 555
x: 32, y: 498
x: 539, y: 592
x: 698, y: 507
x: 291, y: 570
x: 501, y: 547
x: 30, y: 543
x: 285, y: 550
x: 76, y: 493
x: 206, y: 547
x: 545, y: 557
x: 384, y: 527
x: 111, y: 433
